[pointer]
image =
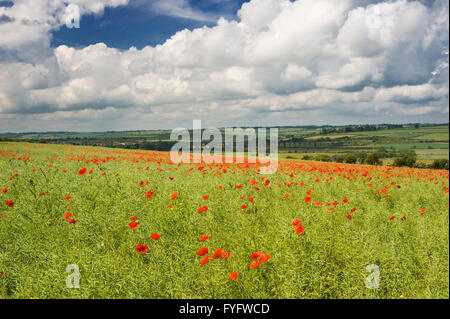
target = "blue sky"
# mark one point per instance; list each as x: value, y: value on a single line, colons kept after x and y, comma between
x: 136, y: 24
x: 153, y: 64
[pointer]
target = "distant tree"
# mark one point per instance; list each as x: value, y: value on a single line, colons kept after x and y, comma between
x: 405, y: 161
x: 440, y: 164
x: 351, y: 159
x: 372, y: 159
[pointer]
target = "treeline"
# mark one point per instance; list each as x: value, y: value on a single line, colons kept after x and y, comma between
x: 374, y: 158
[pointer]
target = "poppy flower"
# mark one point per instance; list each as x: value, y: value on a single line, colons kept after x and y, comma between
x: 335, y: 203
x: 174, y: 195
x: 72, y: 221
x: 202, y: 251
x: 205, y: 261
x: 391, y: 218
x: 345, y: 200
x: 82, y: 171
x: 308, y: 199
x: 217, y: 254
x: 4, y: 190
x: 286, y: 195
x: 254, y: 264
x: 155, y: 236
x: 251, y: 199
x: 264, y: 258
x: 318, y: 204
x: 205, y: 197
x: 204, y: 237
x: 202, y: 209
x: 349, y: 217
x: 148, y: 194
x: 353, y: 209
x: 67, y: 216
x: 133, y: 225
x: 9, y: 203
x: 226, y: 255
x: 300, y: 229
x: 403, y: 218
x: 244, y: 206
x: 239, y: 186
x: 256, y: 254
x: 233, y: 276
x: 133, y: 217
x: 422, y: 211
x: 296, y: 222
x: 141, y: 248
x: 67, y: 197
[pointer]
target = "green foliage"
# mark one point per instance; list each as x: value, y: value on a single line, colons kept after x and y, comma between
x: 372, y: 159
x: 440, y: 164
x: 407, y: 160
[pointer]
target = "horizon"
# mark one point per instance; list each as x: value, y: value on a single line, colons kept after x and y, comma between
x: 424, y: 124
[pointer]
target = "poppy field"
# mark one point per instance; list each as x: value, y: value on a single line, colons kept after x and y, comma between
x: 140, y: 226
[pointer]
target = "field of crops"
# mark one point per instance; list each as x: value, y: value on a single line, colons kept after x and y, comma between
x: 139, y: 226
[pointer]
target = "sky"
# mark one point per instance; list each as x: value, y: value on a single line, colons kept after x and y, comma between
x: 160, y: 64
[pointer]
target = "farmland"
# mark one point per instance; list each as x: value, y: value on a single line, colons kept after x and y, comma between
x: 428, y: 142
x: 139, y: 226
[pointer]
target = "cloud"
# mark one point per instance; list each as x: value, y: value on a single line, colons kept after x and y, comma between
x: 319, y: 59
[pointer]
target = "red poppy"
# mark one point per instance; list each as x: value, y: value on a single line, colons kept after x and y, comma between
x: 205, y: 197
x: 233, y: 276
x: 133, y: 225
x: 264, y: 258
x: 349, y: 217
x: 335, y: 203
x: 353, y: 209
x: 141, y: 248
x: 255, y: 254
x: 72, y: 221
x: 133, y: 217
x: 251, y: 199
x: 82, y: 171
x: 244, y: 206
x: 296, y: 222
x: 174, y: 195
x: 286, y: 195
x: 226, y: 255
x: 300, y: 229
x: 345, y: 200
x: 67, y: 197
x: 422, y: 211
x: 9, y: 203
x: 148, y: 194
x: 67, y: 216
x: 403, y: 218
x: 217, y: 254
x: 205, y: 261
x: 155, y: 236
x: 239, y: 186
x: 202, y: 251
x: 308, y: 199
x: 204, y: 237
x: 4, y: 190
x: 254, y: 264
x: 391, y: 218
x: 202, y: 209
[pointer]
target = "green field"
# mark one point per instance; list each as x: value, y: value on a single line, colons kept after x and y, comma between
x: 395, y: 218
